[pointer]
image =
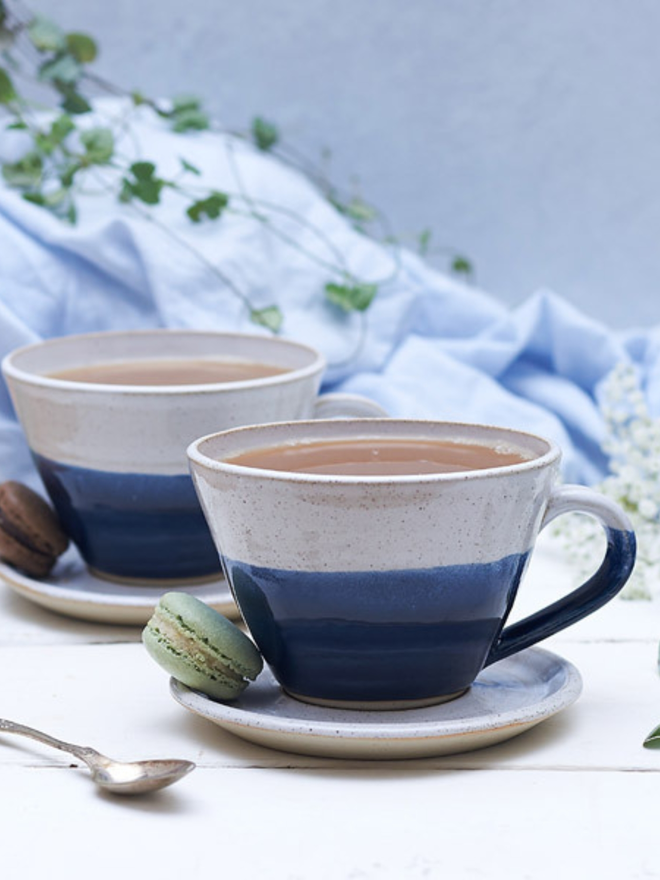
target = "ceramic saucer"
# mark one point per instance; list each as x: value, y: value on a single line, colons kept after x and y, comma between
x: 72, y: 590
x: 507, y: 699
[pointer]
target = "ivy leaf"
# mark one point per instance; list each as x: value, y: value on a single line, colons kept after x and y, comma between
x: 270, y: 317
x: 424, y: 242
x: 143, y: 170
x: 462, y: 266
x: 62, y: 69
x: 7, y: 91
x: 99, y: 145
x: 73, y: 102
x: 145, y: 186
x: 24, y: 173
x: 36, y: 198
x: 188, y: 166
x: 58, y: 202
x: 264, y: 134
x: 186, y: 114
x: 185, y: 102
x: 359, y: 211
x: 351, y: 297
x: 190, y: 120
x: 356, y: 210
x: 82, y: 47
x: 46, y: 200
x: 59, y: 130
x: 211, y: 207
x: 61, y: 127
x: 652, y: 741
x: 66, y: 177
x: 46, y: 36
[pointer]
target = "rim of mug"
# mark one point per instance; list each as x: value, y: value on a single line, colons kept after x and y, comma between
x: 195, y: 455
x: 9, y: 368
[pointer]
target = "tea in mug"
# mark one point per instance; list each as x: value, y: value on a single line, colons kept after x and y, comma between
x: 174, y: 371
x: 379, y: 457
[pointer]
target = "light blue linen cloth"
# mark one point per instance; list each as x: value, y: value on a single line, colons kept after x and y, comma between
x: 430, y: 347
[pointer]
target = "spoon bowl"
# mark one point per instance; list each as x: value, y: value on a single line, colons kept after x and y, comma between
x: 139, y: 777
x: 119, y: 777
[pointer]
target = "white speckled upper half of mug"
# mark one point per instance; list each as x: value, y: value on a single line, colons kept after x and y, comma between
x: 304, y: 522
x: 146, y: 429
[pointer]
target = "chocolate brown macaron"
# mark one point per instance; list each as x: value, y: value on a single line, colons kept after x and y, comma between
x: 31, y: 537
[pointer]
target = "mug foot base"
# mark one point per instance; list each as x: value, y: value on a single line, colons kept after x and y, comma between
x: 155, y: 582
x: 376, y: 705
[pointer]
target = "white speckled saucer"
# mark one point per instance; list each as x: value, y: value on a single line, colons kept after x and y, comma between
x: 71, y: 589
x: 507, y: 699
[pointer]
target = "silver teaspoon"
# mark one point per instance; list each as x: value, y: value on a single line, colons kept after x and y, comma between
x: 120, y: 777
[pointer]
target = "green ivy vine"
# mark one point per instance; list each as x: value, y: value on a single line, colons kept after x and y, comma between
x: 63, y: 158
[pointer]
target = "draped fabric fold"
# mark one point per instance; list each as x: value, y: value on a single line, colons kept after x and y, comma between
x: 428, y: 347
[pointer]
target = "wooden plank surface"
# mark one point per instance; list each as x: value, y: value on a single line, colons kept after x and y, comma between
x: 382, y: 824
x: 115, y: 698
x: 573, y: 798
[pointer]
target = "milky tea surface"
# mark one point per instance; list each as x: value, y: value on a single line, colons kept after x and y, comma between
x: 174, y: 371
x: 378, y: 457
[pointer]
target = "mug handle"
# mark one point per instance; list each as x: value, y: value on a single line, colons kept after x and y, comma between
x: 614, y: 571
x: 338, y: 405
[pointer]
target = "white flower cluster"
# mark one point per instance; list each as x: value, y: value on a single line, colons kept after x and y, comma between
x: 633, y: 446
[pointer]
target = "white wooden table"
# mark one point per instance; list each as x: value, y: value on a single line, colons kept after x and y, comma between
x: 576, y: 797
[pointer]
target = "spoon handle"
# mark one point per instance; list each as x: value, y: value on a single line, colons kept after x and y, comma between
x: 82, y: 752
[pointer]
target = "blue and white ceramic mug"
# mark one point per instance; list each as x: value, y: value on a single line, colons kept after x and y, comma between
x: 392, y: 591
x: 113, y: 457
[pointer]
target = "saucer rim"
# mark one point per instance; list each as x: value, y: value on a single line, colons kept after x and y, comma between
x: 111, y: 603
x: 437, y: 733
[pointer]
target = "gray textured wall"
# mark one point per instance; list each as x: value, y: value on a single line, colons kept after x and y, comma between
x: 523, y: 132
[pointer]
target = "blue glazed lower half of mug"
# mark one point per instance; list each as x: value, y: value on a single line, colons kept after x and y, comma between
x: 377, y: 636
x: 133, y: 526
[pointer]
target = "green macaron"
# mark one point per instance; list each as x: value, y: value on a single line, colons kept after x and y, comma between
x: 201, y: 648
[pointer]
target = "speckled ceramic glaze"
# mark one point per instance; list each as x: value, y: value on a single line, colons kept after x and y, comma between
x: 506, y: 700
x: 113, y: 457
x: 392, y: 591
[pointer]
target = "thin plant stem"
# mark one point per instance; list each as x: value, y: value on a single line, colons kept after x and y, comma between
x: 225, y: 279
x: 32, y: 61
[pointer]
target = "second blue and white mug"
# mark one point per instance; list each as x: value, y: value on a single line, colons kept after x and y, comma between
x: 112, y: 454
